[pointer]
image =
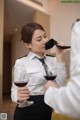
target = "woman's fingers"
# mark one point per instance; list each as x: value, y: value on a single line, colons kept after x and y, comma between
x: 23, y: 93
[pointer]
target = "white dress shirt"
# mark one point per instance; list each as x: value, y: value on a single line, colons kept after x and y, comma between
x: 66, y: 100
x: 32, y: 67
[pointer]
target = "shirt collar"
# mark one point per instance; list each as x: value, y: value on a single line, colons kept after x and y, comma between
x: 32, y: 55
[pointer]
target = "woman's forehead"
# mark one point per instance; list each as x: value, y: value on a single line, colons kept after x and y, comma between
x: 38, y: 33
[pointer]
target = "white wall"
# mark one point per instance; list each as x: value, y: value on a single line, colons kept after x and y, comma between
x: 62, y: 17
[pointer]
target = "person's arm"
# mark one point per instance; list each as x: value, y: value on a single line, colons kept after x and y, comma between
x: 61, y: 68
x: 14, y: 88
x: 66, y: 100
x: 61, y: 73
x: 14, y: 93
x: 19, y: 94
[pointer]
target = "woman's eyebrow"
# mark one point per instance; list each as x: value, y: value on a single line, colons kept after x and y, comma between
x: 41, y: 36
x: 38, y: 37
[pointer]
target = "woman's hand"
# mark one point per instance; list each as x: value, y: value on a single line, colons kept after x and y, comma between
x: 50, y: 84
x: 23, y: 94
x: 60, y: 52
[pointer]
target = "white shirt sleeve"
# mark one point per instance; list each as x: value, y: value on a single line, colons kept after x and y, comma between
x: 14, y: 93
x: 61, y: 74
x: 17, y: 74
x: 66, y: 100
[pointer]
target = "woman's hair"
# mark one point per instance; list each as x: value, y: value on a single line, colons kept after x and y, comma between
x: 28, y: 31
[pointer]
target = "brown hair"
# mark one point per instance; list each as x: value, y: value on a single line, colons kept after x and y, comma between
x: 28, y: 31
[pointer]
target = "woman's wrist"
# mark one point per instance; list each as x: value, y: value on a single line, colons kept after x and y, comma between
x: 60, y: 59
x: 19, y: 101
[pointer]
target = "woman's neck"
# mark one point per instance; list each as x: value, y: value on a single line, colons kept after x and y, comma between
x: 39, y: 54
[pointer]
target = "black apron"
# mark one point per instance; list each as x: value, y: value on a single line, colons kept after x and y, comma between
x: 37, y: 111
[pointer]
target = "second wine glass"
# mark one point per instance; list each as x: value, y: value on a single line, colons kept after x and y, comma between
x: 50, y: 75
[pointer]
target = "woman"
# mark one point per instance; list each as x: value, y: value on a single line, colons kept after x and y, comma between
x: 34, y: 37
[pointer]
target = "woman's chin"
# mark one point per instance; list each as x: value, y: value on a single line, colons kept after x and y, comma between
x: 41, y: 54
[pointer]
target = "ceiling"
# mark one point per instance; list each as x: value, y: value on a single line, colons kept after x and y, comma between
x: 16, y: 15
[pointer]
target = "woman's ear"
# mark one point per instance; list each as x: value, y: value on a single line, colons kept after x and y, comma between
x: 27, y: 45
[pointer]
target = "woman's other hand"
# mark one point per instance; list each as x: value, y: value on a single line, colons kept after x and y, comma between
x: 50, y: 84
x: 60, y: 53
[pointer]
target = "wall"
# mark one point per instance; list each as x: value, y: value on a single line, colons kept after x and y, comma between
x: 18, y: 48
x: 1, y: 47
x: 62, y: 17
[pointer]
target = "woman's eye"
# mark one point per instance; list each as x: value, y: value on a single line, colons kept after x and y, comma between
x: 39, y: 40
x: 45, y: 36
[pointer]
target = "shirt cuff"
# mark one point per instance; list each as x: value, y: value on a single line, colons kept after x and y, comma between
x: 49, y: 97
x: 14, y: 97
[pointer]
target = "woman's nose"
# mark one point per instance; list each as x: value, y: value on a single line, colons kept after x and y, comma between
x: 44, y: 39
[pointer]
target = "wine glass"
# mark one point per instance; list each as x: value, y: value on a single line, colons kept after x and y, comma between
x: 50, y: 75
x: 21, y: 80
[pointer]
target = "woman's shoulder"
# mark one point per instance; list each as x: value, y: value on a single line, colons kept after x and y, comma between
x: 21, y: 59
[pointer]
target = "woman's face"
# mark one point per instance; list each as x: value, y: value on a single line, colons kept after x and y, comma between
x: 38, y: 42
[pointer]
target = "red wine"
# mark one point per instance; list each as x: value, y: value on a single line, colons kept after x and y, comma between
x: 20, y: 84
x: 52, y: 77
